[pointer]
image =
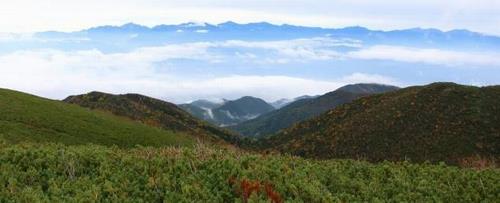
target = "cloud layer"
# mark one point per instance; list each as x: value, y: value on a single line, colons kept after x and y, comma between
x: 57, y: 74
x: 430, y: 56
x: 147, y: 70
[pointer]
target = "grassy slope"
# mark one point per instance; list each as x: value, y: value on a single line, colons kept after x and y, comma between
x: 57, y: 173
x: 438, y: 122
x: 155, y: 113
x: 25, y: 117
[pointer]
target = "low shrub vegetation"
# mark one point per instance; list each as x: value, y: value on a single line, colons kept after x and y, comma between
x: 91, y: 173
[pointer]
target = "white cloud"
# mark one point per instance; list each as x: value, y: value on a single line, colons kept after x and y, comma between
x: 5, y: 37
x: 9, y: 37
x: 297, y: 50
x: 368, y: 78
x: 430, y: 56
x: 57, y: 74
x: 201, y: 31
x: 315, y: 42
x: 324, y: 48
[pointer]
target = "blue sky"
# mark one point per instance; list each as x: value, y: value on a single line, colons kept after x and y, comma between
x: 192, y: 62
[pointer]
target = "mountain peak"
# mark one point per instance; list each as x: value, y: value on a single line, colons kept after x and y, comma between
x: 356, y: 28
x: 203, y: 103
x: 194, y: 24
x: 248, y: 98
x: 228, y: 24
x: 371, y: 88
x: 132, y: 25
x: 128, y: 27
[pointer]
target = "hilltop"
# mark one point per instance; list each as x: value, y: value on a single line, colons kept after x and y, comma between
x: 307, y: 108
x: 438, y: 122
x: 28, y: 118
x: 153, y: 112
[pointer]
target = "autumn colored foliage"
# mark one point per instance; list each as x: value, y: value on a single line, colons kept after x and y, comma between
x: 441, y: 122
x: 248, y: 187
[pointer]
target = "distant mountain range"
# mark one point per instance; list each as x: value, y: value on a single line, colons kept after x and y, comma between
x: 131, y: 36
x: 228, y: 113
x: 437, y: 122
x: 305, y: 108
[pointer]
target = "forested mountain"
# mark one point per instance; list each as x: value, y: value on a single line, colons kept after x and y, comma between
x: 438, y: 122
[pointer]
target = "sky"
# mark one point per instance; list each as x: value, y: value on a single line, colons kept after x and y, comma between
x: 230, y: 68
x: 63, y: 15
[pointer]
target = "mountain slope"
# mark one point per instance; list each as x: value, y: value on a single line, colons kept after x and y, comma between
x: 242, y: 109
x: 230, y: 112
x: 199, y: 112
x: 202, y: 109
x: 26, y: 117
x: 207, y: 104
x: 438, y: 122
x: 153, y: 112
x: 278, y: 104
x: 306, y: 108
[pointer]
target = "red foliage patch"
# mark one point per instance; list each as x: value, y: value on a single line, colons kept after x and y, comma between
x: 247, y: 187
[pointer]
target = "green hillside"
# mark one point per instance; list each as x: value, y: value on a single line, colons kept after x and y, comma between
x: 306, y: 108
x: 155, y: 113
x: 438, y: 122
x: 58, y: 173
x: 26, y: 117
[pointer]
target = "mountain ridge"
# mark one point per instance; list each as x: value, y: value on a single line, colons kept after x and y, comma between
x: 153, y: 112
x: 437, y: 122
x: 232, y: 24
